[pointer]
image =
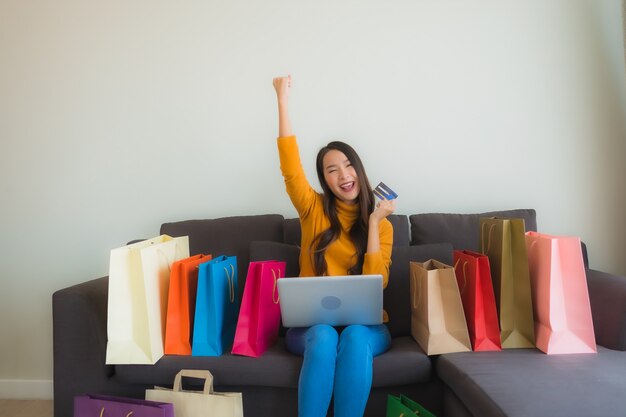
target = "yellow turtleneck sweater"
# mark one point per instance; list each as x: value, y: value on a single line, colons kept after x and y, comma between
x: 340, y: 255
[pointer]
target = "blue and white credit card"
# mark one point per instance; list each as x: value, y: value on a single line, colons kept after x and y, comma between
x: 384, y: 192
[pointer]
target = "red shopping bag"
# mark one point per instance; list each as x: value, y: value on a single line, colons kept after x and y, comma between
x: 473, y: 275
x: 563, y: 322
x: 181, y: 305
x: 259, y: 316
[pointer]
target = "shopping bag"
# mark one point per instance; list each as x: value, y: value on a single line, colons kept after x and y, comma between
x: 403, y: 406
x: 198, y: 403
x: 563, y: 322
x: 181, y: 304
x: 109, y: 406
x: 217, y: 307
x: 437, y: 320
x: 479, y: 304
x: 259, y: 315
x: 139, y: 276
x: 503, y: 241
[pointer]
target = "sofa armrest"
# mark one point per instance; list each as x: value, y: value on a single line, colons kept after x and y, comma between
x: 79, y: 343
x: 607, y: 295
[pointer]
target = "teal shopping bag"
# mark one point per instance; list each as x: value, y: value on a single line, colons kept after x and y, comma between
x: 404, y: 407
x: 217, y: 307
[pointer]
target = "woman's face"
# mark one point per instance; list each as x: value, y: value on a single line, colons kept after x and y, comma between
x: 341, y: 176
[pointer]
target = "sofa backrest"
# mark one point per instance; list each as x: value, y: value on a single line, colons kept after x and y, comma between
x: 229, y: 236
x: 461, y: 230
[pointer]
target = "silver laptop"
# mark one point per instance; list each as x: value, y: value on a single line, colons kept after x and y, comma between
x: 334, y: 300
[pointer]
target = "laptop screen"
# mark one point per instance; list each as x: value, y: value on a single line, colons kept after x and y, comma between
x: 333, y: 300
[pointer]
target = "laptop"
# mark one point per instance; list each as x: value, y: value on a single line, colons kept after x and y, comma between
x: 333, y: 300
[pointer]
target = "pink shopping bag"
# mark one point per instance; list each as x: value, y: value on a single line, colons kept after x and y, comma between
x: 259, y: 316
x: 563, y: 322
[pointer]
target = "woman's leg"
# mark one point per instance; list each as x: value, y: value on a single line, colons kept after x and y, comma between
x: 319, y: 346
x: 353, y: 375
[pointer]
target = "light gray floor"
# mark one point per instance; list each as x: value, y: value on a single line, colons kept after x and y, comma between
x: 26, y: 408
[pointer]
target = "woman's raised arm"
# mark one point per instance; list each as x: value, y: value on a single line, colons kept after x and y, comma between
x: 282, y: 85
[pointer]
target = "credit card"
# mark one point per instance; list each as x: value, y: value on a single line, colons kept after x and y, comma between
x: 384, y: 192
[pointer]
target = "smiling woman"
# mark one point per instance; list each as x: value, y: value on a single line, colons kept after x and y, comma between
x: 339, y: 172
x: 343, y: 232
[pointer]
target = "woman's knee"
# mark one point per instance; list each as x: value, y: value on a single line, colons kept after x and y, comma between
x: 321, y: 337
x: 372, y: 340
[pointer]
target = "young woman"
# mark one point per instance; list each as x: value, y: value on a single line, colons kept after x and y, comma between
x: 343, y: 232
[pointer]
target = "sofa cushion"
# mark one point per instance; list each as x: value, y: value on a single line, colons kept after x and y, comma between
x: 462, y: 230
x: 396, y: 297
x: 229, y: 236
x: 403, y: 364
x: 400, y: 223
x: 527, y: 382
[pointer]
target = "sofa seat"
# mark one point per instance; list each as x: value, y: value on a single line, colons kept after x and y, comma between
x: 403, y: 364
x: 528, y: 383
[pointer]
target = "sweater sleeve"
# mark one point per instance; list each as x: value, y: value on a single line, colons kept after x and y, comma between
x: 379, y: 262
x: 300, y: 192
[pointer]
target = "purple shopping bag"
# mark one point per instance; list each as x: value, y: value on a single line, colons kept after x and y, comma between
x: 108, y: 406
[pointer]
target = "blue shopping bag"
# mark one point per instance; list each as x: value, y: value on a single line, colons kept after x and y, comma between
x: 217, y: 307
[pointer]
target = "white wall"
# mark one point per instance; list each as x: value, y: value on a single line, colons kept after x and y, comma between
x: 117, y: 116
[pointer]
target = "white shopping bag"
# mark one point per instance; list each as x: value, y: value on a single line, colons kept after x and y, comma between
x: 139, y: 277
x: 198, y: 403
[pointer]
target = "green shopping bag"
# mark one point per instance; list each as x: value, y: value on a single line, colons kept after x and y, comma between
x: 405, y: 407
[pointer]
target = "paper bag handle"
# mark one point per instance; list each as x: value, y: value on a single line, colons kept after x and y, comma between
x: 482, y: 239
x: 195, y: 373
x: 102, y: 413
x: 464, y: 274
x: 417, y: 294
x: 275, y: 296
x: 231, y: 283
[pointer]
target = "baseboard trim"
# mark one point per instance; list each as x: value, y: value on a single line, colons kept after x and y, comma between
x: 26, y: 389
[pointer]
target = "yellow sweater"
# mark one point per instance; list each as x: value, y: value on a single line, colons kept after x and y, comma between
x: 340, y: 255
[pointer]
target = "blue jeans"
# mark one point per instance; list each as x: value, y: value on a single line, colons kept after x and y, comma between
x: 338, y: 361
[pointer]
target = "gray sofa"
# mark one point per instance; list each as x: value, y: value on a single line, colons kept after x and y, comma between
x: 516, y: 382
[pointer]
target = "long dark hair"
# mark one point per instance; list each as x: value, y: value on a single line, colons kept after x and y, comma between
x: 365, y: 200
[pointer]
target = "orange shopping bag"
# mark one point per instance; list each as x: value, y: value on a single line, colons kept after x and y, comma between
x: 181, y: 304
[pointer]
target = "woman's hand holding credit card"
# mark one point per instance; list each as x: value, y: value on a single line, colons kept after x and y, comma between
x: 383, y: 192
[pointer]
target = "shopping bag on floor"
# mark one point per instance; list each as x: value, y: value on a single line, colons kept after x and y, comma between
x: 479, y: 304
x: 562, y: 312
x: 437, y: 319
x: 139, y: 276
x: 403, y: 406
x: 217, y: 307
x: 503, y: 241
x: 181, y: 304
x: 259, y: 316
x: 109, y: 406
x: 198, y: 403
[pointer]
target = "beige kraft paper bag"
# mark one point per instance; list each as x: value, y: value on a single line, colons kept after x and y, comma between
x: 437, y: 319
x: 207, y: 403
x: 503, y: 241
x: 139, y: 276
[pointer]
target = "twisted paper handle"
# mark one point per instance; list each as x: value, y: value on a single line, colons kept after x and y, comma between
x: 417, y: 295
x: 102, y: 413
x: 275, y: 296
x: 464, y: 274
x: 482, y: 240
x: 231, y: 283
